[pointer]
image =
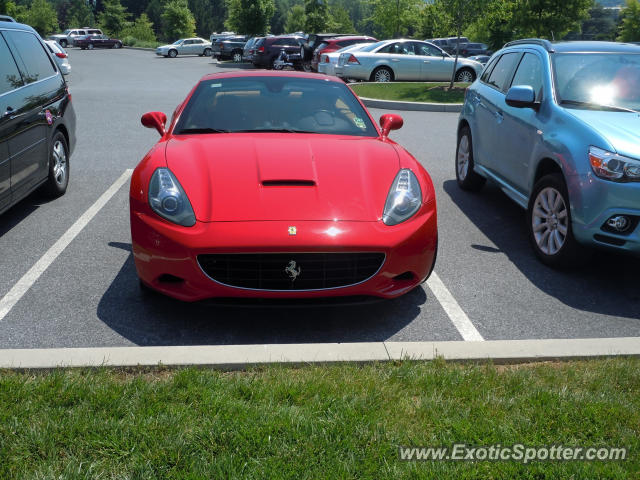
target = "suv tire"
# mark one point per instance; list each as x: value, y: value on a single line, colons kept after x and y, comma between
x: 467, y: 178
x: 549, y: 224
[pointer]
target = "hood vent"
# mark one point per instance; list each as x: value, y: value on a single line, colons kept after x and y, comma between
x: 288, y: 183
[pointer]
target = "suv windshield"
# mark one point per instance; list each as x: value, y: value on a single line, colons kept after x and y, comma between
x: 274, y: 104
x: 597, y: 80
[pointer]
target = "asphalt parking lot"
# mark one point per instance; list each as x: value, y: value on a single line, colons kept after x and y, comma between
x: 488, y: 285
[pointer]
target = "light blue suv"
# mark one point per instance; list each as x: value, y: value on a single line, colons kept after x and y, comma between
x: 557, y: 127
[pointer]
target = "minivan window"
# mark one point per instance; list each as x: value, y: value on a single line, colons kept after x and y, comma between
x: 34, y: 57
x: 501, y: 74
x: 10, y: 78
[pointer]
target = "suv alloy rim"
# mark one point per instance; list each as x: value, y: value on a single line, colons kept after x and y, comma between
x: 60, y: 162
x: 463, y: 157
x: 550, y: 221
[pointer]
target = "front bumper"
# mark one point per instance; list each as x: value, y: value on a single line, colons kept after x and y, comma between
x: 162, y: 249
x: 594, y: 201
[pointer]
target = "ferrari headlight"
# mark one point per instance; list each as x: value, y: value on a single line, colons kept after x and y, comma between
x: 614, y: 167
x: 167, y: 198
x: 404, y: 199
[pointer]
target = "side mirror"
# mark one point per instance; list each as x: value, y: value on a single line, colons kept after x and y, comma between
x: 522, y: 96
x: 390, y: 121
x: 155, y: 120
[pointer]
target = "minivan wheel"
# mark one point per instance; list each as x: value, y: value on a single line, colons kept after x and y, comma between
x: 467, y: 178
x: 465, y: 75
x: 58, y: 179
x: 549, y: 223
x: 382, y: 74
x: 173, y: 53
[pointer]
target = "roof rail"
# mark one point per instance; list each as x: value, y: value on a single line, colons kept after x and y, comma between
x: 7, y: 18
x: 535, y: 41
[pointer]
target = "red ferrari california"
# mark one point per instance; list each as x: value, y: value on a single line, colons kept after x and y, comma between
x: 279, y: 185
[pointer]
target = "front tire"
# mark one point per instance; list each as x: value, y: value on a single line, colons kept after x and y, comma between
x: 467, y: 178
x: 58, y: 179
x: 382, y: 74
x: 237, y: 57
x: 90, y: 46
x: 549, y: 224
x: 466, y: 75
x: 117, y: 45
x: 173, y: 53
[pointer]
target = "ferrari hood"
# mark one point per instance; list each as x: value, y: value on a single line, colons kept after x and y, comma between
x: 257, y: 177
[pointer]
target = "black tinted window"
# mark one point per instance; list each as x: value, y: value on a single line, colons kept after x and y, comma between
x: 35, y: 59
x: 10, y: 78
x: 487, y: 70
x: 501, y: 75
x: 530, y: 73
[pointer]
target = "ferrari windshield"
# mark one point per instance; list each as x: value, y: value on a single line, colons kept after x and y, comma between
x: 603, y: 81
x: 274, y: 104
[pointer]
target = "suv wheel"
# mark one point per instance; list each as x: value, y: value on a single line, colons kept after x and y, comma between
x: 549, y: 222
x: 237, y: 57
x: 467, y: 178
x: 58, y: 179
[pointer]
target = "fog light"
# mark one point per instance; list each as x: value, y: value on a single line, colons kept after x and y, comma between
x: 619, y: 223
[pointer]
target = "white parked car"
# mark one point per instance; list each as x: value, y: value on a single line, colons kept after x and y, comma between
x: 60, y: 56
x: 185, y: 46
x: 405, y: 59
x: 328, y: 61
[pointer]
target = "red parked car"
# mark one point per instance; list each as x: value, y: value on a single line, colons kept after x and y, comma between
x: 279, y: 185
x: 332, y: 44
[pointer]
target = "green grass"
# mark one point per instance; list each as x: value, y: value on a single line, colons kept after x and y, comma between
x: 320, y: 422
x: 412, y: 92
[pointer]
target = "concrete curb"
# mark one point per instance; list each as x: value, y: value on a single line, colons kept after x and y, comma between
x: 411, y: 106
x: 242, y: 356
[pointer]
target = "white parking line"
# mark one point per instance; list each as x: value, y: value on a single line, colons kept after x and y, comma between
x: 457, y: 316
x: 28, y: 279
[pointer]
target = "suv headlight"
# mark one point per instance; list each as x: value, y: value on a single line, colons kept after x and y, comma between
x: 613, y: 167
x: 167, y: 198
x: 404, y: 199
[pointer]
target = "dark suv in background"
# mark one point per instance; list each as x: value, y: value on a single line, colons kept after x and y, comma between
x: 267, y: 49
x: 37, y: 120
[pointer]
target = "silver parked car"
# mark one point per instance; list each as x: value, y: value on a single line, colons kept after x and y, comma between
x: 328, y: 61
x: 186, y: 46
x: 60, y: 56
x: 405, y: 59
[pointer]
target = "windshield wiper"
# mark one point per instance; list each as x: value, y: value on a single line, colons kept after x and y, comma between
x: 277, y: 130
x: 613, y: 108
x: 202, y: 130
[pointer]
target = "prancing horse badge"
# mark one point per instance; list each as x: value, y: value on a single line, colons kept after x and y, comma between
x: 293, y: 231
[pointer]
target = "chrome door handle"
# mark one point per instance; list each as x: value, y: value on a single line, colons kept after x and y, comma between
x: 395, y: 59
x: 426, y: 61
x: 498, y: 116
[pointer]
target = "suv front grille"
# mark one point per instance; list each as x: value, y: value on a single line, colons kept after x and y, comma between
x: 291, y: 271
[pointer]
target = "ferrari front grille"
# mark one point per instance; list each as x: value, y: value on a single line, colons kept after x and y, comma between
x: 291, y: 271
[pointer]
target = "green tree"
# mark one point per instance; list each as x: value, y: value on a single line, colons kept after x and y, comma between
x: 209, y: 15
x: 296, y: 20
x: 42, y: 16
x: 114, y: 18
x: 601, y: 24
x: 339, y: 21
x: 396, y: 18
x: 548, y: 18
x: 177, y: 20
x: 630, y: 28
x: 251, y: 17
x: 317, y: 16
x: 494, y: 25
x: 141, y: 29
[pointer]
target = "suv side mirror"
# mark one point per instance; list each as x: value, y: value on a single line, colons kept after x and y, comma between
x: 522, y: 96
x: 390, y: 121
x: 155, y: 120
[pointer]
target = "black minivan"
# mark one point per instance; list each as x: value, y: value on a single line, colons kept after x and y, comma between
x: 37, y: 120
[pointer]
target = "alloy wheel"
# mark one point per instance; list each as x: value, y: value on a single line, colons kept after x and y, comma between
x: 59, y: 162
x: 550, y: 221
x: 465, y: 76
x: 463, y: 157
x: 382, y: 75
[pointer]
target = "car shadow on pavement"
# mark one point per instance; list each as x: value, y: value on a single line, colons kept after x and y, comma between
x: 21, y: 210
x: 147, y: 318
x: 607, y: 283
